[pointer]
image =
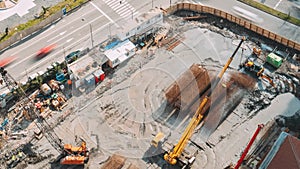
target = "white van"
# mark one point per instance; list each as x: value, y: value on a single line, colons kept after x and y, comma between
x: 247, y: 14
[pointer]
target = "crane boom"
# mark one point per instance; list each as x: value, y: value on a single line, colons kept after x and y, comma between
x: 171, y: 157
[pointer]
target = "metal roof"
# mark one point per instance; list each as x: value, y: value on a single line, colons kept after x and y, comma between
x: 119, y: 50
x: 285, y: 153
x: 83, y: 67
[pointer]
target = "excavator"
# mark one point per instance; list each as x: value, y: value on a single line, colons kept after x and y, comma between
x: 258, y: 70
x: 173, y: 155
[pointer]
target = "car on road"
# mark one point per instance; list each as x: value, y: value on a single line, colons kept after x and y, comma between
x: 6, y: 61
x: 72, y: 56
x: 247, y: 14
x: 45, y: 51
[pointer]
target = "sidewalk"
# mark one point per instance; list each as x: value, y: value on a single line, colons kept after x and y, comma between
x: 21, y: 12
x: 6, y: 4
x: 283, y: 6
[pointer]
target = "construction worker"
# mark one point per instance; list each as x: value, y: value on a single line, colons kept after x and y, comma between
x: 20, y: 154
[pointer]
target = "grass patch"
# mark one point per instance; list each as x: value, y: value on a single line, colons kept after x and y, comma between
x: 272, y: 11
x: 69, y: 4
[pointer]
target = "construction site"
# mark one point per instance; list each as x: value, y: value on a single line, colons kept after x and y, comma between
x: 197, y: 91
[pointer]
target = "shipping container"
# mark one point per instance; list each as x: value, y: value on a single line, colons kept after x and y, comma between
x: 274, y: 60
x: 99, y: 75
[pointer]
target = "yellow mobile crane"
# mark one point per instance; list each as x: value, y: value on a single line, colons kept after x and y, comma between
x: 172, y: 156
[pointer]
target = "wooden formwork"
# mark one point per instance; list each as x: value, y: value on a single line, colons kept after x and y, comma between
x: 114, y: 162
x: 195, y: 86
x: 173, y: 91
x: 195, y: 89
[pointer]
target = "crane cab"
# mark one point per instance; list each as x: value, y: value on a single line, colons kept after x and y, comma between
x: 158, y: 139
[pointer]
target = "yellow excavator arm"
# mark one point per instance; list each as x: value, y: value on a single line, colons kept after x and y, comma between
x: 171, y: 157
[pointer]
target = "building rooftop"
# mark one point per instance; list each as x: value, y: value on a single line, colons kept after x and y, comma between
x: 119, y: 50
x: 83, y: 67
x: 87, y: 64
x: 134, y: 21
x: 285, y: 153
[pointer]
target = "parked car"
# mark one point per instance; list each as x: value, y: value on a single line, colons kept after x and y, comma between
x: 72, y: 56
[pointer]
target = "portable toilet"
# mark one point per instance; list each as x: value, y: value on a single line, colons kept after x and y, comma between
x: 89, y: 83
x: 99, y: 75
x: 274, y: 60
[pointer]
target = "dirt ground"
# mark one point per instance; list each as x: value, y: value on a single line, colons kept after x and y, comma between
x: 117, y: 117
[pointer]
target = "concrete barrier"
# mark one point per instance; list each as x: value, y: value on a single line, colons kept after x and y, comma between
x: 242, y: 22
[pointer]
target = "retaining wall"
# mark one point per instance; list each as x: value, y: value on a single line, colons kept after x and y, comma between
x: 242, y: 22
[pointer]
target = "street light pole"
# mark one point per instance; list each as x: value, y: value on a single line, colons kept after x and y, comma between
x: 92, y: 35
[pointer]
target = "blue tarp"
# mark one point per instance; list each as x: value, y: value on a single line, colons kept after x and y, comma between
x: 111, y: 45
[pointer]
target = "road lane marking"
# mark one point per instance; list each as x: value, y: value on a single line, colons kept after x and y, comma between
x: 43, y: 37
x: 70, y: 39
x: 56, y: 36
x: 112, y: 21
x: 277, y: 4
x: 35, y: 66
x: 70, y: 33
x: 124, y: 9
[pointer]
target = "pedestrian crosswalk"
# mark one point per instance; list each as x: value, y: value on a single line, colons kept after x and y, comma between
x: 123, y: 8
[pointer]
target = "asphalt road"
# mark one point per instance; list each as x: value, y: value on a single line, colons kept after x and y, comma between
x: 270, y: 22
x: 73, y: 32
x: 100, y: 18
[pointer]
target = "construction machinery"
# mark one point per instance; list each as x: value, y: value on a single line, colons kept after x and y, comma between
x: 174, y: 154
x: 252, y: 66
x: 75, y: 155
x: 68, y: 154
x: 259, y: 127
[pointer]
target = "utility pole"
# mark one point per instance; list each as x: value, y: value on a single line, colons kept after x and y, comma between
x: 152, y: 4
x: 64, y: 51
x: 170, y: 2
x: 26, y: 73
x: 92, y: 35
x: 109, y: 27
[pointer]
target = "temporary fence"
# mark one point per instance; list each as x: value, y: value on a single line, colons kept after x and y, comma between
x: 242, y: 22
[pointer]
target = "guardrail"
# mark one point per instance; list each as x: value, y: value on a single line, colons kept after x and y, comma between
x: 242, y: 22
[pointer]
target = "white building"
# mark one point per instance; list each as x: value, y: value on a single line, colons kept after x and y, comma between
x: 84, y: 72
x: 120, y: 53
x: 140, y: 24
